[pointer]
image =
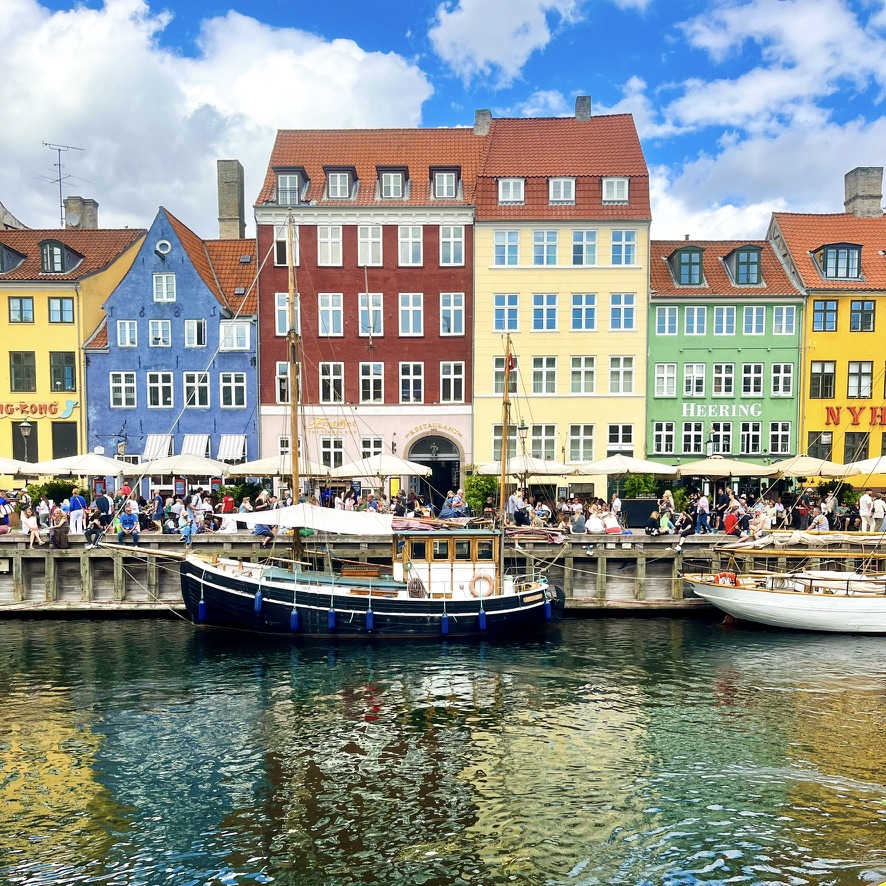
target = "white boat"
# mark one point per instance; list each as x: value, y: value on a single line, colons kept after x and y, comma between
x: 807, y: 600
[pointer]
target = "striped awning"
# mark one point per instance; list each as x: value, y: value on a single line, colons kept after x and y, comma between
x: 196, y: 444
x: 231, y: 447
x: 157, y: 446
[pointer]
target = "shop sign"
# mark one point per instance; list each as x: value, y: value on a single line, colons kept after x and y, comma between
x: 855, y: 415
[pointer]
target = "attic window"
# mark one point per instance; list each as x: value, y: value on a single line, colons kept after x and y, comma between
x: 291, y: 183
x: 240, y: 290
x: 392, y: 184
x: 55, y: 258
x: 561, y: 190
x: 615, y: 190
x: 245, y: 259
x: 839, y: 261
x: 445, y: 184
x: 338, y: 184
x: 510, y: 190
x: 689, y: 267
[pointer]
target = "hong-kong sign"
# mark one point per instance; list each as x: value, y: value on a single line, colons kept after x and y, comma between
x: 24, y: 409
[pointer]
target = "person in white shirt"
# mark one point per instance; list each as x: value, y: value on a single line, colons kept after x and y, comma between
x: 866, y: 511
x: 702, y: 510
x: 878, y: 509
x: 615, y: 506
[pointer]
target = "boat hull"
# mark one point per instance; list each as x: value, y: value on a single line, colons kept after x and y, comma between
x: 794, y: 610
x: 215, y: 598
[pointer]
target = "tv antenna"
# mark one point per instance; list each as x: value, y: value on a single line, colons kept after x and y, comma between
x: 61, y: 176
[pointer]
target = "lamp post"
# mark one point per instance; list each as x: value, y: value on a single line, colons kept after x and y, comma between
x: 709, y: 447
x: 523, y: 431
x: 25, y: 430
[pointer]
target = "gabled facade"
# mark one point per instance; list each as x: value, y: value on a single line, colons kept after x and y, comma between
x: 52, y: 285
x: 562, y: 234
x: 171, y: 365
x: 724, y: 349
x: 382, y: 233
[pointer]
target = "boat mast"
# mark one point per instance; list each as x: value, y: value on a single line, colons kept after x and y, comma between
x: 294, y: 346
x: 505, y: 434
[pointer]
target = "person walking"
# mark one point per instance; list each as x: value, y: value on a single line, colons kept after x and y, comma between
x: 702, y: 513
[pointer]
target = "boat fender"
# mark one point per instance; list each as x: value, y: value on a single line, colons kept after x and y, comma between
x: 259, y: 602
x: 201, y: 611
x: 293, y: 620
x: 370, y: 619
x: 444, y: 625
x: 330, y: 619
x: 481, y: 620
x: 549, y: 611
x: 726, y: 578
x: 481, y: 578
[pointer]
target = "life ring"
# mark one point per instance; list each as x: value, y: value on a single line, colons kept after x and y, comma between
x: 726, y: 578
x: 477, y: 579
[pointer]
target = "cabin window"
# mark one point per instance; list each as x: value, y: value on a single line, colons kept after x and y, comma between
x: 462, y: 549
x: 418, y: 550
x: 441, y: 549
x: 484, y: 550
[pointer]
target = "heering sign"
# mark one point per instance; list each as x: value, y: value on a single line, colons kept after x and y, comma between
x: 722, y: 410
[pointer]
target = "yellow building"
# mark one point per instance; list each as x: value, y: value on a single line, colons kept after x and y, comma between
x: 561, y: 266
x: 52, y: 286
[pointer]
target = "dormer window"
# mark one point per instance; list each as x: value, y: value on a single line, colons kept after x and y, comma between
x: 510, y: 190
x: 561, y: 190
x: 290, y: 184
x: 747, y: 267
x: 445, y: 184
x: 392, y: 185
x: 339, y: 184
x: 615, y: 190
x: 9, y: 259
x: 688, y: 270
x: 56, y: 258
x: 839, y: 261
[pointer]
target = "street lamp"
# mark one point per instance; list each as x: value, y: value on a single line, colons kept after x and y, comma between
x: 25, y: 430
x: 709, y: 447
x: 522, y: 431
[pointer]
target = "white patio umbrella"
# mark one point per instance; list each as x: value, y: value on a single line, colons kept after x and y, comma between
x: 527, y: 466
x: 278, y: 466
x: 382, y: 466
x: 807, y: 466
x: 870, y: 465
x: 186, y: 465
x: 622, y: 465
x: 89, y: 464
x: 13, y: 466
x: 717, y: 466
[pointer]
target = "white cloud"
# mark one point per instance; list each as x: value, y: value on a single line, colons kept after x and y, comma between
x: 541, y: 103
x: 494, y: 38
x: 153, y: 122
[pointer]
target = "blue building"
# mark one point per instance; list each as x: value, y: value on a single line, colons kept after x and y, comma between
x: 172, y: 366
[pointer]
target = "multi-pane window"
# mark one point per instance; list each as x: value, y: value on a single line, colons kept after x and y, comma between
x: 288, y: 188
x: 371, y: 446
x: 543, y: 441
x: 584, y: 247
x: 504, y: 312
x: 282, y: 314
x: 721, y: 437
x: 510, y: 190
x: 332, y: 382
x: 332, y: 450
x: 412, y: 382
x: 820, y: 444
x: 232, y: 389
x: 561, y: 190
x: 666, y: 321
x: 723, y: 379
x: 53, y: 258
x: 330, y: 313
x: 840, y: 262
x: 61, y: 310
x: 412, y: 313
x: 584, y: 311
x: 391, y: 186
x: 372, y: 376
x: 21, y: 310
x: 159, y: 390
x: 338, y: 185
x: 195, y: 333
x: 665, y: 379
x: 445, y: 185
x: 281, y: 247
x: 855, y: 446
x: 693, y: 437
x: 754, y: 320
x: 196, y: 389
x: 127, y: 334
x: 498, y: 375
x: 544, y: 247
x: 506, y: 247
x: 62, y: 371
x: 281, y: 381
x: 782, y: 379
x: 624, y: 247
x: 747, y: 267
x: 822, y: 379
x: 233, y: 335
x: 615, y: 190
x: 582, y: 375
x: 784, y: 319
x: 663, y: 433
x: 160, y: 333
x: 371, y: 315
x: 689, y: 268
x: 693, y: 379
x: 779, y: 437
x: 621, y: 375
x: 724, y: 320
x: 861, y: 376
x: 622, y: 311
x: 752, y: 379
x: 369, y: 245
x: 496, y: 442
x: 544, y: 312
x: 329, y: 245
x: 410, y: 240
x: 861, y: 315
x: 824, y: 315
x: 452, y: 382
x: 620, y: 439
x: 122, y: 386
x: 695, y: 321
x: 452, y: 313
x: 581, y: 442
x: 750, y: 438
x: 544, y: 375
x: 452, y: 244
x: 164, y: 287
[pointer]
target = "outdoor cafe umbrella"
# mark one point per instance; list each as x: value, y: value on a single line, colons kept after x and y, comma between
x: 186, y: 465
x: 278, y: 466
x: 716, y: 466
x: 867, y: 466
x: 527, y: 466
x: 382, y: 466
x: 807, y: 466
x: 622, y: 465
x: 12, y: 466
x: 89, y: 464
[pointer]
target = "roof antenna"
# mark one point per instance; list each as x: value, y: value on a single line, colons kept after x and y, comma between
x: 61, y: 177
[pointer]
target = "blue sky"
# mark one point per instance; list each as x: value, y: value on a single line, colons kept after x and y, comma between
x: 743, y: 106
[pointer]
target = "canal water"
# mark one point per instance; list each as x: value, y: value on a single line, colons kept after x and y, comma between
x: 615, y: 751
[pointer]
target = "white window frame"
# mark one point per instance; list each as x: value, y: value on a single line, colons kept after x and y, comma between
x: 281, y: 248
x: 544, y: 375
x: 195, y: 385
x: 372, y: 382
x: 281, y: 381
x: 332, y: 382
x: 505, y: 312
x: 543, y: 441
x: 544, y: 311
x: 498, y: 375
x: 160, y: 333
x: 332, y: 450
x: 581, y: 442
x: 410, y: 242
x: 623, y: 312
x: 412, y: 314
x: 582, y: 374
x: 371, y: 446
x: 506, y: 248
x: 624, y: 248
x: 445, y: 185
x: 584, y: 312
x: 329, y: 246
x: 232, y: 390
x: 392, y: 185
x: 779, y: 437
x: 281, y: 314
x: 371, y: 314
x: 369, y: 246
x: 234, y: 335
x: 127, y: 333
x: 452, y: 310
x: 860, y: 379
x: 721, y: 437
x: 782, y: 380
x: 412, y: 382
x: 160, y: 386
x: 666, y: 320
x: 452, y: 382
x: 452, y: 245
x: 784, y: 319
x: 584, y: 248
x: 195, y: 333
x: 724, y: 320
x: 561, y: 190
x: 694, y: 377
x: 338, y: 185
x: 621, y: 374
x: 123, y: 390
x: 615, y: 190
x: 544, y: 247
x: 695, y: 320
x: 665, y: 380
x: 511, y: 190
x: 754, y: 322
x: 330, y: 314
x: 287, y: 195
x: 164, y: 288
x: 663, y: 437
x: 749, y: 433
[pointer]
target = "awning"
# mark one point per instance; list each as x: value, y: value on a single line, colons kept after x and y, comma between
x: 157, y: 446
x: 231, y: 447
x: 196, y: 444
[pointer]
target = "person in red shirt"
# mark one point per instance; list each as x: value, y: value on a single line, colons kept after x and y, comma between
x: 228, y: 506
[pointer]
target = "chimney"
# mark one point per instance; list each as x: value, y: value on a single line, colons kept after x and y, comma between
x: 864, y: 192
x: 81, y: 213
x: 582, y: 107
x: 482, y: 122
x: 231, y: 202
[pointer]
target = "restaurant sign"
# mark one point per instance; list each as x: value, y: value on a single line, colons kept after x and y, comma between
x: 869, y: 416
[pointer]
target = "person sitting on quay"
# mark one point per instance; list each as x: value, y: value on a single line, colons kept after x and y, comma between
x: 6, y: 509
x: 611, y: 523
x: 186, y: 528
x: 59, y: 529
x: 128, y: 521
x: 594, y: 524
x: 94, y: 528
x: 684, y: 526
x: 31, y: 526
x: 819, y: 522
x: 579, y: 524
x: 653, y: 524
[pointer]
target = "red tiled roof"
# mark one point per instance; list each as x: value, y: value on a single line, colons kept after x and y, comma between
x: 98, y: 341
x: 233, y: 274
x: 803, y: 234
x: 195, y: 247
x: 99, y: 247
x: 717, y: 282
x: 419, y: 150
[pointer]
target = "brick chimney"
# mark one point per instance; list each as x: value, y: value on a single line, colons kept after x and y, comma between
x: 482, y: 121
x: 81, y: 213
x: 582, y: 107
x: 231, y: 201
x: 864, y: 192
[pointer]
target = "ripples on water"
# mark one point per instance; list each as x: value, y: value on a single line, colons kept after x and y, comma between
x: 613, y: 752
